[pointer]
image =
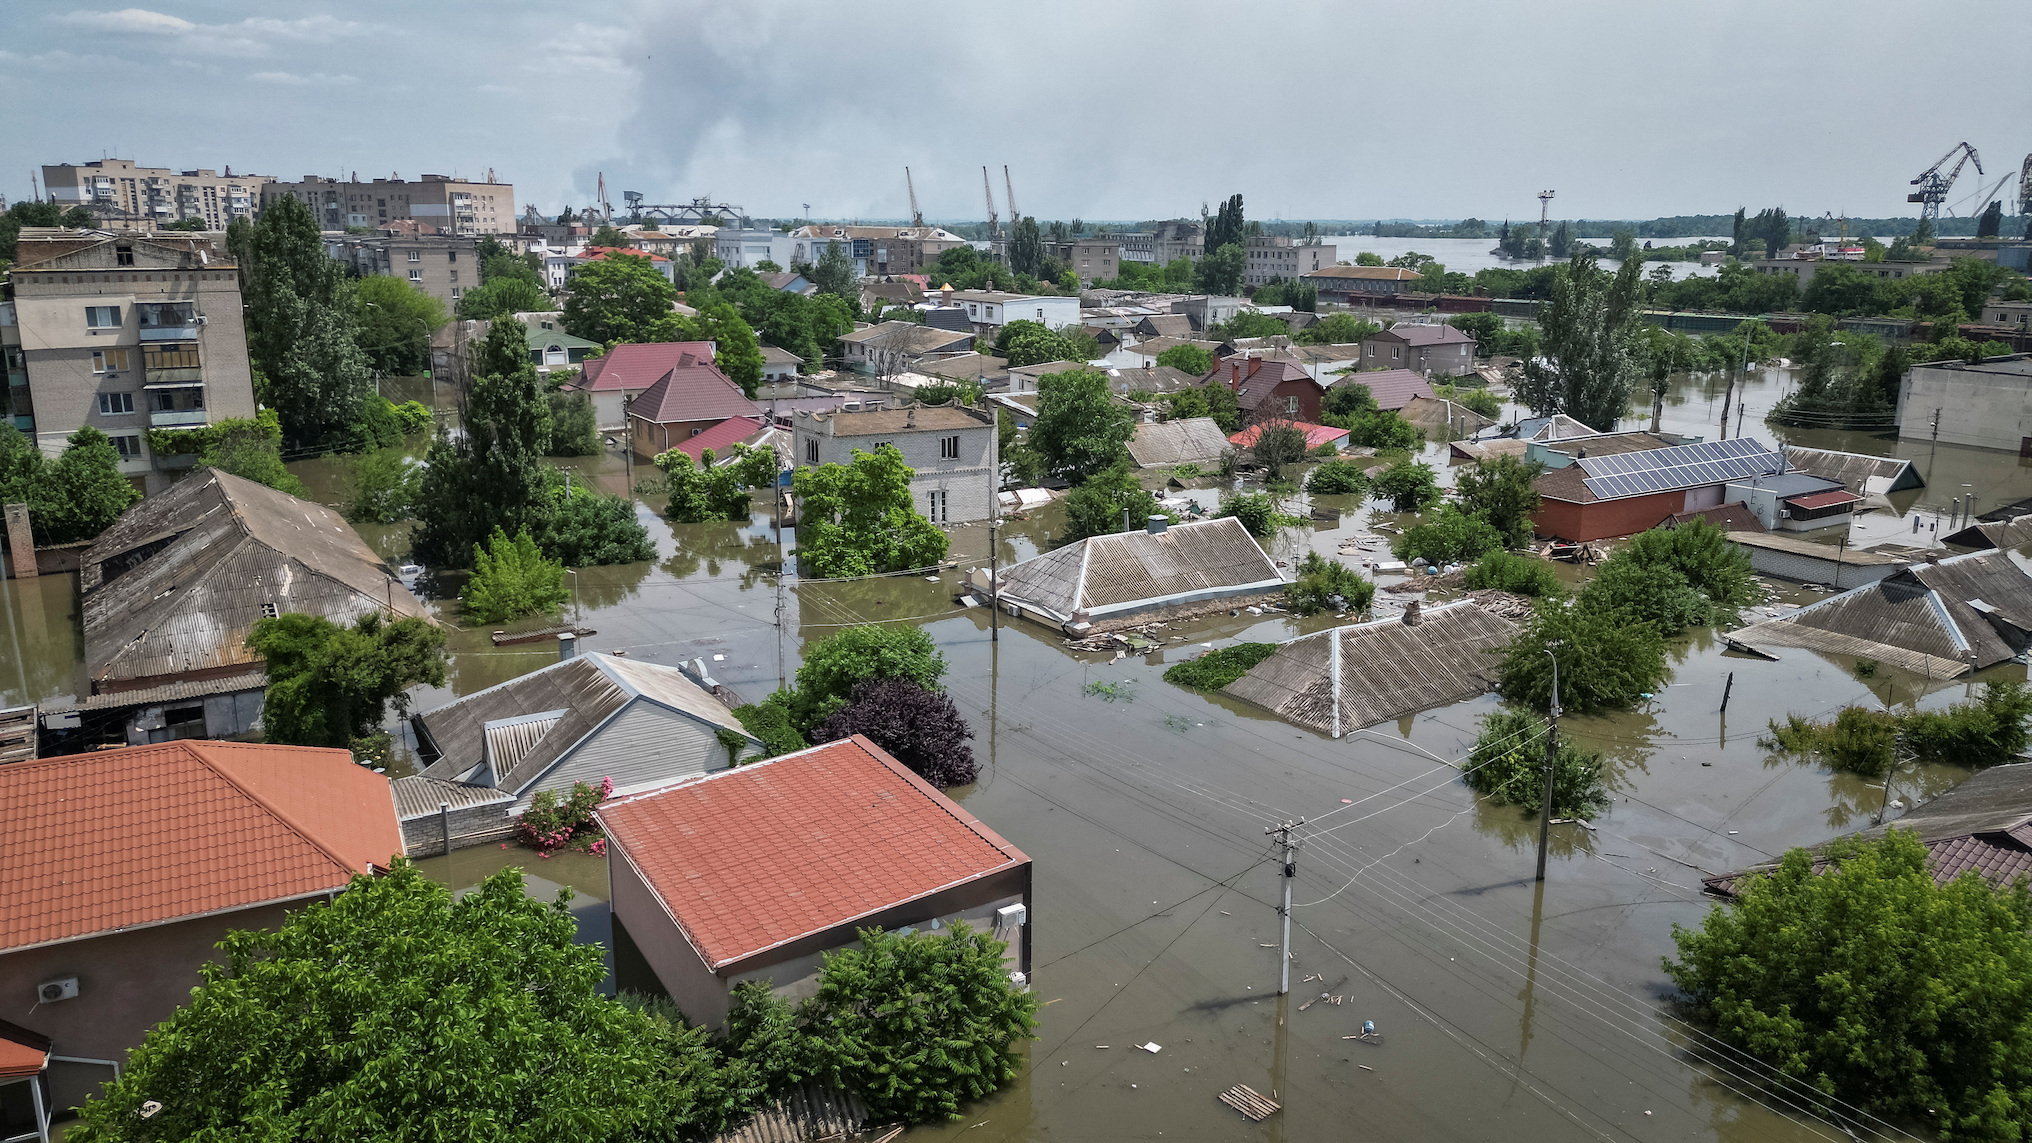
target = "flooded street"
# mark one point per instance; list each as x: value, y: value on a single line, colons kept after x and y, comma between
x: 1507, y: 1009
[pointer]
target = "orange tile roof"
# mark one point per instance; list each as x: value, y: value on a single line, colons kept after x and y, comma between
x: 146, y: 834
x: 22, y: 1052
x: 754, y: 857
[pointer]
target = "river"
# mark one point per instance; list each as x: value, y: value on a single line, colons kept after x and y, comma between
x: 1508, y: 1009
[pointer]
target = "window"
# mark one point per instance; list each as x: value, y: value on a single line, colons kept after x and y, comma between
x: 455, y: 293
x: 129, y: 447
x: 416, y: 255
x: 455, y: 275
x: 936, y: 506
x: 949, y: 448
x: 1291, y: 404
x: 167, y: 355
x: 451, y: 256
x: 270, y: 611
x: 1394, y: 350
x: 416, y: 275
x: 167, y: 314
x: 811, y: 452
x: 102, y: 317
x: 109, y: 361
x: 123, y: 255
x: 112, y: 404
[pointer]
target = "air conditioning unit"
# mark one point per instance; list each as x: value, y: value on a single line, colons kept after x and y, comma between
x: 62, y: 988
x: 1011, y: 915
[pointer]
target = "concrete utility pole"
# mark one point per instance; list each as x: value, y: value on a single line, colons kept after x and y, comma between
x: 1551, y: 750
x: 995, y: 525
x: 1283, y: 833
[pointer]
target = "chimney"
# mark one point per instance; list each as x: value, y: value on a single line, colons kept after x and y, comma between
x: 1157, y: 524
x: 910, y: 417
x: 1234, y: 374
x: 1411, y: 616
x: 567, y: 646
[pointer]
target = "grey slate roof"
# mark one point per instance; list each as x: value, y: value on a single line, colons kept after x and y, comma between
x: 418, y: 796
x: 1177, y: 442
x: 1131, y: 571
x: 211, y: 556
x: 535, y: 720
x: 910, y: 337
x: 1384, y: 668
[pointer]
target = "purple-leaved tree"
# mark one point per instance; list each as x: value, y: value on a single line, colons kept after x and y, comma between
x: 918, y: 727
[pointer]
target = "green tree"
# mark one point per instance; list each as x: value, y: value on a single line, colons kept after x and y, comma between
x: 395, y: 321
x: 1408, y: 485
x: 1213, y: 400
x: 1380, y: 429
x: 1500, y: 492
x: 1328, y: 585
x: 1026, y: 246
x: 330, y: 685
x: 1337, y: 329
x: 251, y: 448
x: 1096, y: 507
x: 1343, y: 402
x: 1508, y: 764
x: 710, y: 492
x: 301, y: 331
x: 329, y: 1026
x: 834, y: 666
x: 74, y: 497
x: 1864, y: 978
x: 1080, y: 429
x: 1561, y: 242
x: 1605, y: 661
x: 574, y: 428
x: 1702, y: 557
x: 1248, y: 323
x: 921, y: 1025
x: 1589, y: 330
x: 1227, y: 227
x: 1338, y: 477
x: 1279, y: 442
x: 1991, y: 221
x: 619, y: 297
x: 491, y: 476
x: 511, y: 579
x: 1518, y: 575
x: 1220, y: 271
x: 386, y: 485
x: 1367, y: 258
x: 1448, y: 536
x: 585, y: 527
x: 610, y: 238
x: 504, y: 297
x: 1187, y: 359
x: 1025, y: 342
x: 860, y: 519
x: 834, y: 275
x: 1256, y: 511
x: 31, y: 213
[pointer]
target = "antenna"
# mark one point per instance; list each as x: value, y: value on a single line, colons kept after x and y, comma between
x: 1544, y: 211
x: 988, y: 189
x: 1014, y: 214
x: 916, y: 215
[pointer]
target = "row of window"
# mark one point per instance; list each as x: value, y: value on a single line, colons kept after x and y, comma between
x: 173, y: 355
x: 159, y: 401
x: 948, y: 449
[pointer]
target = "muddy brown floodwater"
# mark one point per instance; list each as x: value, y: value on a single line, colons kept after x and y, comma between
x: 1507, y: 1009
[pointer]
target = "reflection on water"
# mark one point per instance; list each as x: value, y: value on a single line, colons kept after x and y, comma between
x: 42, y: 656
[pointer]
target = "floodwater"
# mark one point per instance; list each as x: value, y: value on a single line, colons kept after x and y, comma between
x: 1507, y: 1009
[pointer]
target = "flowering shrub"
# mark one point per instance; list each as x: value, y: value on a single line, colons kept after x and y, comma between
x: 552, y: 823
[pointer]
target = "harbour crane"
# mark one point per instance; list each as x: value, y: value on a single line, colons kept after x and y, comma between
x: 1014, y: 214
x: 916, y: 215
x: 995, y: 229
x: 1933, y: 185
x: 2025, y: 187
x: 1544, y: 212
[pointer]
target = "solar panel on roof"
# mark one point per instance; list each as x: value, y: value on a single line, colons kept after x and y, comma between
x: 1681, y: 466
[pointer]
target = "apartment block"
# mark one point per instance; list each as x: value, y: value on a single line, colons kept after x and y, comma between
x: 1090, y: 259
x: 458, y: 206
x: 128, y: 197
x: 444, y: 266
x: 951, y: 451
x: 125, y: 331
x: 1270, y: 258
x: 1165, y: 245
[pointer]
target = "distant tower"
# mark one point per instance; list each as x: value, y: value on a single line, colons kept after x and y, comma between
x: 1544, y: 213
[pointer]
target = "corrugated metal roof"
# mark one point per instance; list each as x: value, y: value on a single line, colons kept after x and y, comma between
x: 2013, y: 533
x: 813, y: 1111
x: 1856, y: 471
x: 235, y: 550
x: 417, y: 796
x: 1829, y: 552
x: 168, y: 692
x: 509, y: 739
x: 1131, y: 570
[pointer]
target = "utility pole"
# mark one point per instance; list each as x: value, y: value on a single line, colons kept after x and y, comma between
x: 627, y: 445
x: 1741, y: 408
x: 1290, y: 847
x: 1551, y: 750
x: 995, y: 525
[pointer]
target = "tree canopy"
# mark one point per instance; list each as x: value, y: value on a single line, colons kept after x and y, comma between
x: 491, y: 475
x: 859, y: 518
x: 919, y: 727
x: 1080, y: 429
x: 1589, y: 339
x: 74, y: 497
x: 301, y: 330
x: 395, y: 321
x: 330, y: 685
x: 511, y: 579
x: 618, y: 297
x: 1096, y: 507
x: 1500, y: 492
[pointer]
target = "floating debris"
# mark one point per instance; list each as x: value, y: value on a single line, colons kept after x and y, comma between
x: 1245, y: 1099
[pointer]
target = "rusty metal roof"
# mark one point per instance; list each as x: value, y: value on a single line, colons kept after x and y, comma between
x: 210, y: 558
x: 1129, y: 571
x: 1346, y: 678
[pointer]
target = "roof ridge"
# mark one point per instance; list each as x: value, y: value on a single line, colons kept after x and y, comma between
x: 270, y: 808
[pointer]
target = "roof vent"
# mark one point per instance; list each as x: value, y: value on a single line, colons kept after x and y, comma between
x: 1157, y: 524
x: 1412, y: 617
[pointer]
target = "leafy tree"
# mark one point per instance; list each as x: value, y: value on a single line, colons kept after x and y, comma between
x: 574, y: 429
x: 1369, y: 258
x: 1500, y: 492
x: 1702, y: 555
x: 1080, y: 429
x: 251, y: 448
x: 1337, y: 329
x: 734, y: 348
x: 1381, y: 429
x: 1213, y: 400
x: 74, y: 497
x: 1026, y: 247
x: 1589, y: 329
x: 710, y: 492
x: 1345, y: 401
x: 608, y: 237
x: 511, y: 579
x: 329, y: 685
x: 860, y: 518
x: 1248, y: 323
x: 31, y: 213
x: 1227, y: 226
x: 386, y: 484
x: 1187, y: 359
x: 331, y: 1025
x: 1327, y: 585
x: 1220, y: 271
x: 300, y: 329
x: 834, y: 274
x: 1991, y: 221
x: 1256, y: 511
x: 1025, y: 342
x: 1985, y: 732
x: 835, y: 666
x: 504, y: 297
x: 921, y: 1025
x: 1508, y: 764
x: 395, y: 320
x: 1518, y: 575
x: 619, y: 297
x: 1561, y: 241
x: 1095, y: 508
x: 491, y: 476
x: 585, y: 527
x: 1448, y: 536
x: 770, y: 720
x: 1648, y: 593
x: 1605, y: 661
x: 1408, y: 485
x: 1478, y: 401
x: 1338, y: 477
x: 918, y: 727
x: 1278, y: 442
x: 1864, y: 978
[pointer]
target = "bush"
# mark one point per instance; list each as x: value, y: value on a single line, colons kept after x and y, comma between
x: 1518, y: 575
x: 1216, y: 669
x: 1343, y: 402
x: 920, y: 728
x: 1337, y: 478
x: 574, y: 429
x: 1256, y: 511
x: 511, y: 579
x: 386, y: 483
x: 1327, y: 585
x: 1500, y: 492
x: 1188, y: 359
x: 834, y: 666
x: 770, y: 721
x: 1407, y: 485
x: 1985, y: 732
x: 1702, y: 554
x: 413, y: 417
x: 1649, y: 593
x: 702, y: 492
x: 1278, y: 443
x: 1382, y: 430
x: 1095, y: 508
x: 552, y: 823
x: 1605, y: 661
x: 251, y: 449
x: 1508, y: 765
x: 1448, y: 536
x: 589, y: 528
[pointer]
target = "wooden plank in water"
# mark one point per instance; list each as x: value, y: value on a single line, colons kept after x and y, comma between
x: 1245, y: 1099
x: 503, y: 638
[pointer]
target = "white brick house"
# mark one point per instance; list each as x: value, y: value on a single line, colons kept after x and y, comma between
x: 950, y: 449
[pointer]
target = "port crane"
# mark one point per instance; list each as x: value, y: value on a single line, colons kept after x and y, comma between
x: 1933, y: 184
x: 916, y: 215
x: 2025, y: 187
x: 1014, y: 215
x: 995, y: 229
x: 691, y: 213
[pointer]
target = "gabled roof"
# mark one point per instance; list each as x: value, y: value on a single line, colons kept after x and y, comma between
x: 1436, y: 416
x: 576, y: 697
x: 777, y: 355
x: 1254, y: 379
x: 1166, y: 443
x: 1647, y: 473
x: 120, y: 839
x: 1392, y: 388
x: 1424, y: 334
x: 1861, y: 474
x: 638, y: 365
x: 789, y: 280
x: 2013, y: 533
x: 1735, y: 516
x: 1151, y: 379
x: 1557, y: 427
x: 693, y: 389
x: 1129, y: 571
x: 1315, y: 435
x: 1166, y: 325
x: 909, y: 337
x: 721, y: 438
x: 216, y: 552
x: 751, y: 858
x: 1347, y: 678
x: 1326, y: 354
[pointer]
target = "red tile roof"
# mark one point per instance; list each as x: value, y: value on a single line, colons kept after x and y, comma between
x: 637, y: 365
x: 751, y: 858
x: 1823, y: 499
x: 22, y: 1052
x: 1315, y: 435
x: 1393, y: 389
x: 145, y: 834
x: 720, y: 438
x: 693, y: 390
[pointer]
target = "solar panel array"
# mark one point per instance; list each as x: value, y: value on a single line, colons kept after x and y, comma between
x: 1682, y: 466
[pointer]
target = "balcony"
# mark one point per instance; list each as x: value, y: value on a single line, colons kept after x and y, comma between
x: 156, y: 378
x: 177, y: 418
x: 170, y: 332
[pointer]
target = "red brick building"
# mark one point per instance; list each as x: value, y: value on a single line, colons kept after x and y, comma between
x: 1269, y: 387
x: 1597, y: 498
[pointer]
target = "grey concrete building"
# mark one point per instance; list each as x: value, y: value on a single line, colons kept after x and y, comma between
x: 1428, y: 349
x: 444, y: 266
x: 125, y: 332
x: 1271, y: 257
x: 900, y: 346
x: 1171, y: 241
x: 1982, y: 406
x: 461, y: 206
x: 120, y: 193
x: 1090, y: 259
x: 951, y: 450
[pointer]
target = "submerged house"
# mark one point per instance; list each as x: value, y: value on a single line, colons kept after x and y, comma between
x: 1598, y: 497
x: 1188, y: 440
x: 2015, y: 532
x: 1113, y: 577
x: 586, y: 719
x: 1873, y: 478
x: 1939, y: 620
x: 1346, y: 678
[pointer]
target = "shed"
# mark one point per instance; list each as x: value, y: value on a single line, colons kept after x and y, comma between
x: 1346, y: 678
x: 1805, y: 561
x: 1191, y: 440
x: 1125, y: 573
x: 1940, y: 620
x: 1866, y: 476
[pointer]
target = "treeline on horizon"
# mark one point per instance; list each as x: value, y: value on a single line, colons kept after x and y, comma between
x: 1676, y: 226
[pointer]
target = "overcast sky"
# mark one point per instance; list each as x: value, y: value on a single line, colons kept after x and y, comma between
x: 1103, y: 110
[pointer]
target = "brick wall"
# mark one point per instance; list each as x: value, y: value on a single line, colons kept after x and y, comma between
x: 471, y: 826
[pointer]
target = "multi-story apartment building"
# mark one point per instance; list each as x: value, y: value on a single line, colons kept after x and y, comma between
x: 1271, y: 257
x: 460, y: 206
x: 950, y: 449
x: 124, y: 331
x: 1090, y: 259
x: 129, y: 197
x: 875, y: 249
x: 1165, y: 245
x: 444, y: 266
